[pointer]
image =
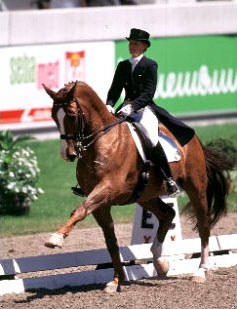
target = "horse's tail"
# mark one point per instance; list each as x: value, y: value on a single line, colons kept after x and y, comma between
x: 218, y: 183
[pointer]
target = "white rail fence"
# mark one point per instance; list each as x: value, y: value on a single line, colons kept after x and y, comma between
x: 136, y: 259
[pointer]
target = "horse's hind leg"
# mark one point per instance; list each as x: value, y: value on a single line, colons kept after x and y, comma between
x: 199, y: 203
x: 165, y: 214
x: 196, y: 188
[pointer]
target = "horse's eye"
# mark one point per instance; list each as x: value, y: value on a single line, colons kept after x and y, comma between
x: 71, y: 115
x: 71, y: 110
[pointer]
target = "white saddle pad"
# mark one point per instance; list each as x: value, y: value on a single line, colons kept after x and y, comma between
x: 169, y: 146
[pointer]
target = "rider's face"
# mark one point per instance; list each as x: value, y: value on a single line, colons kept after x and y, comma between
x: 136, y: 48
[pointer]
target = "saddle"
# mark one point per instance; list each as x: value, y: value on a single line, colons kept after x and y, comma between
x: 166, y: 149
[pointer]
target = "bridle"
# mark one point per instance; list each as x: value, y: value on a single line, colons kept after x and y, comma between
x: 80, y: 122
x: 82, y: 141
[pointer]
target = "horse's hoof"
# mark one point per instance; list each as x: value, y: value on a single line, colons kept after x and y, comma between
x: 112, y: 287
x: 162, y: 266
x: 55, y: 240
x: 199, y: 276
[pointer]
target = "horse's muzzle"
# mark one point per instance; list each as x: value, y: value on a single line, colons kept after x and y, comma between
x: 72, y: 156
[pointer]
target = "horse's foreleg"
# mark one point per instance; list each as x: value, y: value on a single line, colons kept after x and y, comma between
x: 57, y: 239
x: 165, y: 215
x: 104, y: 219
x: 97, y: 198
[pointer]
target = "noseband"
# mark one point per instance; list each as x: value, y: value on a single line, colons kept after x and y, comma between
x: 84, y: 142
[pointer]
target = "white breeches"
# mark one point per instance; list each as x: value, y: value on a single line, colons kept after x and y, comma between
x: 149, y: 123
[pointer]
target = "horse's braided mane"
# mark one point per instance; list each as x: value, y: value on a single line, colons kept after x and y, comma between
x: 68, y: 86
x: 73, y: 83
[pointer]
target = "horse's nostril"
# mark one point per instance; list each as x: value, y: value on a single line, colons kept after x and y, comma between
x: 72, y: 157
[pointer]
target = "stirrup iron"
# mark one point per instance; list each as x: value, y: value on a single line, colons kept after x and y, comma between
x: 77, y: 191
x: 171, y: 187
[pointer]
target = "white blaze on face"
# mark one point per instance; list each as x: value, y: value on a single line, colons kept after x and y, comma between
x: 60, y: 116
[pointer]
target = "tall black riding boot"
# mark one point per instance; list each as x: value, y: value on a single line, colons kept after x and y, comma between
x: 159, y: 159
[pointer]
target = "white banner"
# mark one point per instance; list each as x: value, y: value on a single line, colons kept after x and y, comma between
x: 23, y: 102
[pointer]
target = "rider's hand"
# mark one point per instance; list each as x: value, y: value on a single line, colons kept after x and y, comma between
x: 126, y: 110
x: 110, y: 108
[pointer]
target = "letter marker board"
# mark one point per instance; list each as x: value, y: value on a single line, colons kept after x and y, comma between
x: 146, y: 224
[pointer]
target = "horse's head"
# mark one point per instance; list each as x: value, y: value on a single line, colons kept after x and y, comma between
x: 65, y: 113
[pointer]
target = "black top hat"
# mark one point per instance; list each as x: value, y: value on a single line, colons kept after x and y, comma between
x: 139, y: 35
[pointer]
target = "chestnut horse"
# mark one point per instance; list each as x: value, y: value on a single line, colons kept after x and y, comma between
x: 108, y: 170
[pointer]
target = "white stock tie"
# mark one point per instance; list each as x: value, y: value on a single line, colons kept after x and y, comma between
x: 134, y: 63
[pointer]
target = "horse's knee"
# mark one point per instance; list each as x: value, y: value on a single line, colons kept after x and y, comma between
x: 72, y: 213
x: 79, y: 214
x: 167, y: 213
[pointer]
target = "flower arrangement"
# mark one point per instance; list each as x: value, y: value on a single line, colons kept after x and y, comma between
x: 19, y: 173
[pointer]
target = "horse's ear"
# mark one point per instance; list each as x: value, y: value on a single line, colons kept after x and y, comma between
x: 50, y: 92
x: 70, y: 94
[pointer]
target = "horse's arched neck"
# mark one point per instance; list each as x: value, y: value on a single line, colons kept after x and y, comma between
x: 96, y: 114
x: 99, y: 119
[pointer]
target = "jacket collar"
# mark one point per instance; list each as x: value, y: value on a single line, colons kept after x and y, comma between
x: 136, y: 59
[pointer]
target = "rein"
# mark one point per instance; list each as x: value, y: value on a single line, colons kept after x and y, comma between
x: 84, y: 142
x: 99, y: 133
